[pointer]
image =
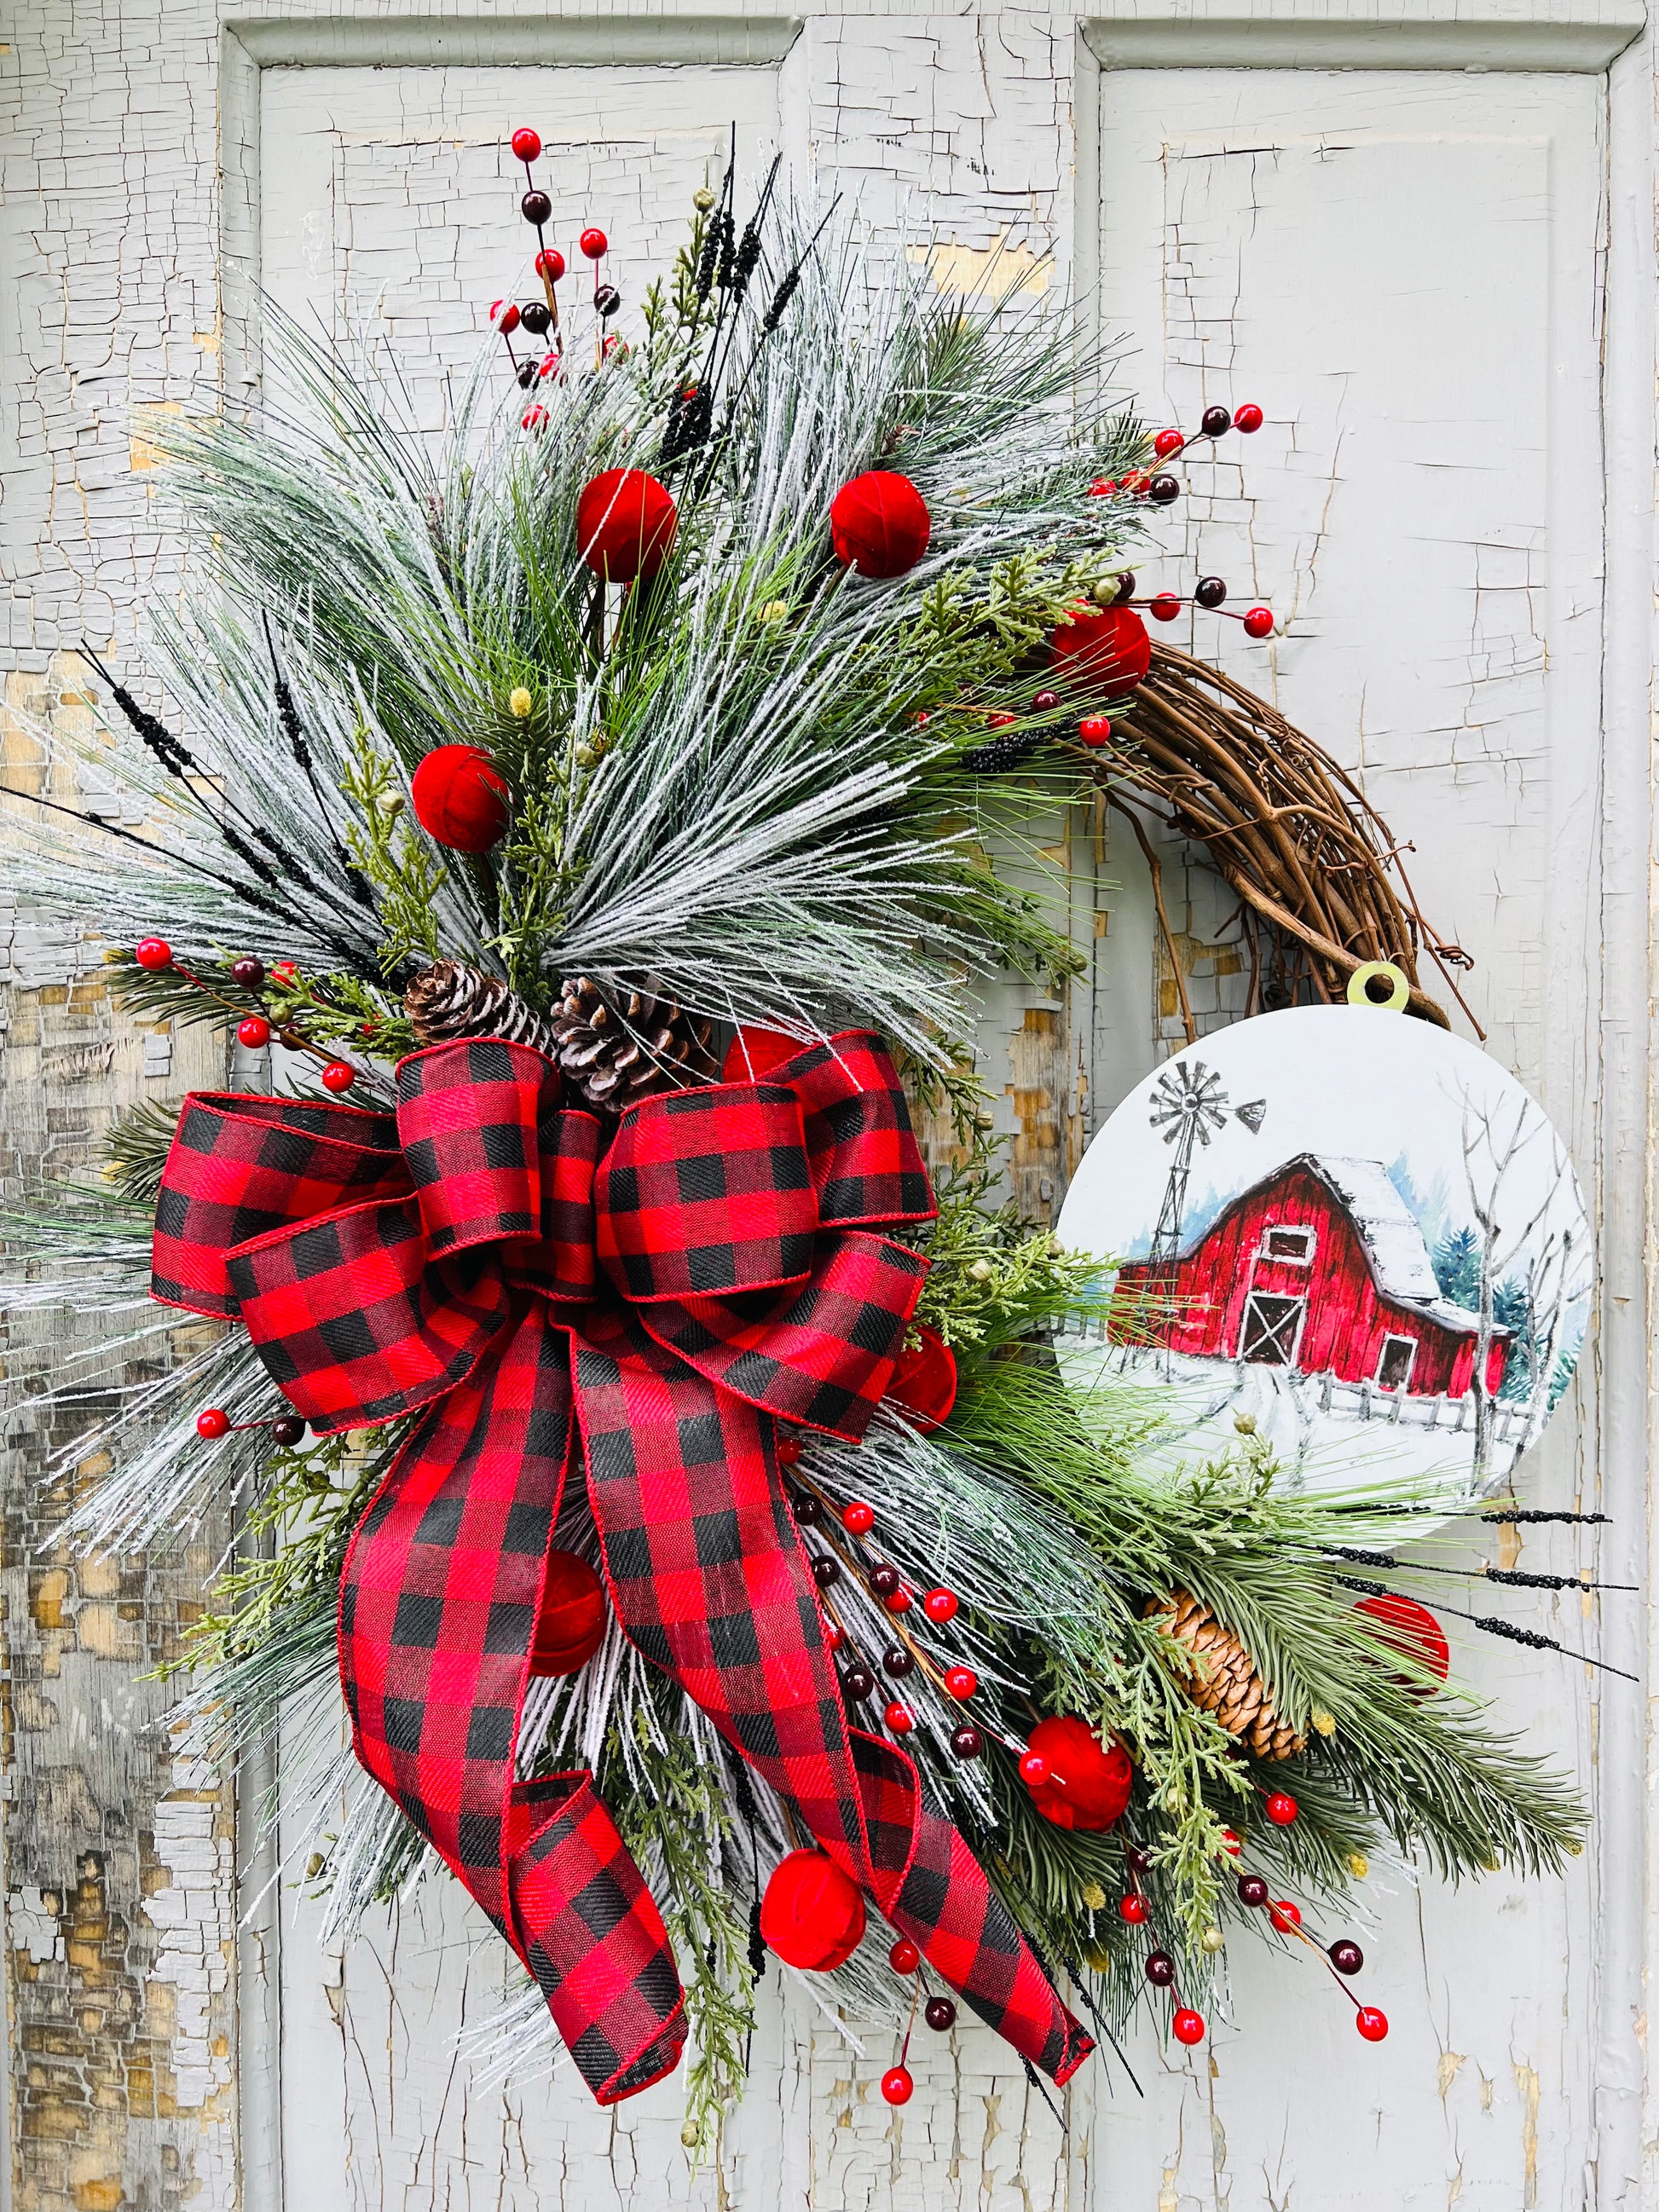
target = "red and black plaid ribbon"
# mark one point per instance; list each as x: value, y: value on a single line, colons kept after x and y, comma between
x: 655, y: 1306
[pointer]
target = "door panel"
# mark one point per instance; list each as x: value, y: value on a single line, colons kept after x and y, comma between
x: 1402, y: 268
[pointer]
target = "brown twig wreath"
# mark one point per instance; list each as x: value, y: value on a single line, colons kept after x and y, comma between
x: 1282, y: 822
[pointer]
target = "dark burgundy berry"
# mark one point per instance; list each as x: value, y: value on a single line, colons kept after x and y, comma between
x: 247, y: 972
x: 536, y: 207
x: 1252, y: 1890
x: 526, y: 374
x: 967, y: 1742
x: 1140, y: 1860
x: 1159, y: 1969
x: 1346, y: 1956
x: 1162, y: 489
x: 606, y: 300
x: 941, y: 2015
x: 1215, y: 421
x: 536, y: 317
x: 289, y: 1430
x: 884, y: 1579
x: 1126, y: 587
x: 896, y: 1660
x: 1209, y: 591
x: 826, y: 1571
x: 858, y: 1683
x: 808, y: 1509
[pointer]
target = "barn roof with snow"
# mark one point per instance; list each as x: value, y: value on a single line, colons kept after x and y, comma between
x: 1387, y: 1229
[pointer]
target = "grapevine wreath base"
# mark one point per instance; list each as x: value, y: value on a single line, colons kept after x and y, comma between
x: 595, y: 806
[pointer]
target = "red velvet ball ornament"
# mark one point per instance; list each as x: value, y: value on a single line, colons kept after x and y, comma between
x: 212, y: 1423
x: 625, y: 524
x: 339, y: 1075
x: 754, y: 1052
x: 858, y: 1518
x: 1281, y: 1809
x: 1187, y: 2025
x: 1410, y: 1630
x: 879, y: 524
x: 812, y: 1914
x: 904, y: 1957
x: 460, y: 798
x: 526, y: 144
x: 1105, y: 645
x: 1248, y: 418
x: 593, y: 241
x: 1088, y: 1782
x: 153, y: 954
x: 254, y: 1032
x: 896, y: 2086
x: 1167, y: 442
x: 1133, y: 1909
x: 924, y: 1383
x: 570, y: 1619
x: 1372, y: 2023
x: 1259, y: 622
x: 1095, y: 731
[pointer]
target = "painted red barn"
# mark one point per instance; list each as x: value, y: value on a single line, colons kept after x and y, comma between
x: 1320, y: 1266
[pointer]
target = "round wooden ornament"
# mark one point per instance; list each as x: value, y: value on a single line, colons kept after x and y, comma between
x: 1353, y: 1236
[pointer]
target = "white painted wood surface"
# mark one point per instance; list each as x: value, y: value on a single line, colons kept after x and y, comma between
x: 1405, y: 267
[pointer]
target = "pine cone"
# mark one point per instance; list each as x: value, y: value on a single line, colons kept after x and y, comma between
x: 1225, y: 1681
x: 451, y: 1000
x: 616, y: 1050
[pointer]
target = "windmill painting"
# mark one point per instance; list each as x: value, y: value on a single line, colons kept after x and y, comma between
x: 1382, y: 1253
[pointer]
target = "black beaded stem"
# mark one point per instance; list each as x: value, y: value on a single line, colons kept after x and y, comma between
x: 1531, y: 1516
x: 288, y: 714
x: 1493, y: 1626
x: 1514, y: 1578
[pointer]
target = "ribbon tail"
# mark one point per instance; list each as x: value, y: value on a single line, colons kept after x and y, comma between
x: 709, y: 1578
x: 438, y: 1602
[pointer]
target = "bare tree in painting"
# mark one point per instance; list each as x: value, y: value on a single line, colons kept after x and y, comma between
x: 1551, y: 1239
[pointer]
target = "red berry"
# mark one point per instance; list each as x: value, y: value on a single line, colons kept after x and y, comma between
x: 1167, y: 442
x: 254, y: 1032
x: 1280, y: 1809
x: 1034, y: 1770
x: 899, y: 1718
x: 904, y: 1957
x: 1248, y: 418
x: 1285, y: 1915
x: 1095, y: 731
x: 1134, y: 1908
x: 899, y: 1600
x: 1372, y: 2023
x: 505, y: 316
x: 835, y: 1636
x: 533, y: 417
x: 896, y: 2086
x: 1103, y: 488
x: 339, y: 1075
x: 527, y: 145
x: 1259, y: 622
x: 213, y: 1422
x: 788, y: 1449
x: 1001, y: 722
x: 1165, y: 607
x: 549, y: 263
x: 858, y: 1518
x: 550, y: 365
x: 960, y: 1682
x: 593, y: 242
x: 284, y: 973
x: 153, y: 953
x: 1187, y: 2025
x: 941, y: 1606
x: 1229, y: 1843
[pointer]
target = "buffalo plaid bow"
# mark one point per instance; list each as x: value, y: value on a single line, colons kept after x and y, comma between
x: 657, y: 1305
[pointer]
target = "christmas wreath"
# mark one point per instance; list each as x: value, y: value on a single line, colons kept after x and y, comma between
x: 597, y: 805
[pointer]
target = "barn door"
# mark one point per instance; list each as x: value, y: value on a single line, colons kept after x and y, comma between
x: 1403, y: 267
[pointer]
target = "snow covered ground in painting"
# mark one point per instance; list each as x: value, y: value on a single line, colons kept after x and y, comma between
x: 1366, y: 1434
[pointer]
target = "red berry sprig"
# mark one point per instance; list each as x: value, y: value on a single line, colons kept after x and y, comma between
x: 1343, y: 1958
x: 213, y: 1422
x: 1134, y: 1910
